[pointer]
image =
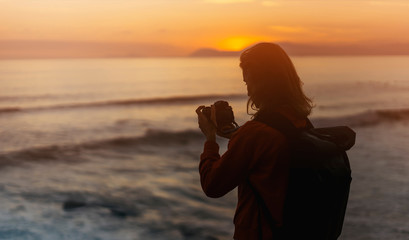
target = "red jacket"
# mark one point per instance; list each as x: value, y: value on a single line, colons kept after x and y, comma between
x: 256, y: 152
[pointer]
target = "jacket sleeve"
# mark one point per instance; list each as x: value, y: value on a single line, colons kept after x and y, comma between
x: 220, y: 175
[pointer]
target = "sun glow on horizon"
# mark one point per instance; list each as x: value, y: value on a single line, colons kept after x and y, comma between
x: 237, y: 43
x: 178, y: 28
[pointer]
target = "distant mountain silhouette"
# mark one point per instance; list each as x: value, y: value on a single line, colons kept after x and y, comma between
x: 344, y: 49
x: 301, y: 49
x: 210, y: 52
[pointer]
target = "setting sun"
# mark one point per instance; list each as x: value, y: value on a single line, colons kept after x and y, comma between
x: 237, y: 43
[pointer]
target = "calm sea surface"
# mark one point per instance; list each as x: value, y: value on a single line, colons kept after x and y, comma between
x: 109, y: 148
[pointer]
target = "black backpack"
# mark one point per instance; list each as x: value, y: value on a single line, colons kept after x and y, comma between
x: 319, y: 180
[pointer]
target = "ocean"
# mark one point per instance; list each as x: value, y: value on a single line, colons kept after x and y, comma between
x: 109, y: 148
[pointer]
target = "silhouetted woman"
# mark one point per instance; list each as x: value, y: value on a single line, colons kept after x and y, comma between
x: 256, y: 152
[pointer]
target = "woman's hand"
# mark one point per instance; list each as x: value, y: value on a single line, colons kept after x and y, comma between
x: 207, y: 127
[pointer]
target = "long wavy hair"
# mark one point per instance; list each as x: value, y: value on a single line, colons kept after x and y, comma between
x: 274, y: 80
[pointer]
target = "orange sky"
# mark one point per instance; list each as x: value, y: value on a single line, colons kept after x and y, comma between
x: 181, y: 26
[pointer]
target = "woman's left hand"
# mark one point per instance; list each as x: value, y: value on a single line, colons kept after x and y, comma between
x: 207, y: 127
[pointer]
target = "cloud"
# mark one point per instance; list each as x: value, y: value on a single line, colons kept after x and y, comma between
x: 316, y: 33
x: 228, y: 1
x: 269, y: 3
x: 390, y: 3
x: 314, y: 29
x: 288, y: 29
x: 67, y: 49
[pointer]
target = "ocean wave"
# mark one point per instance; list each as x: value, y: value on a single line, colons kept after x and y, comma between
x: 9, y: 109
x: 126, y: 207
x: 154, y: 139
x: 72, y: 153
x: 34, y: 97
x: 367, y: 118
x: 147, y: 101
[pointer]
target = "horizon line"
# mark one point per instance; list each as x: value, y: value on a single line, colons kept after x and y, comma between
x: 51, y: 49
x: 194, y: 57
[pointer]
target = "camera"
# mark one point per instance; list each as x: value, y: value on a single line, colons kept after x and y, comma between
x: 224, y: 116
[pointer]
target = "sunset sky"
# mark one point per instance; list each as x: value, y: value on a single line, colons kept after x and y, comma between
x: 178, y: 27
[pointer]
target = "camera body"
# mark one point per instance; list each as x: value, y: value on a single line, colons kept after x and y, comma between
x: 224, y: 116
